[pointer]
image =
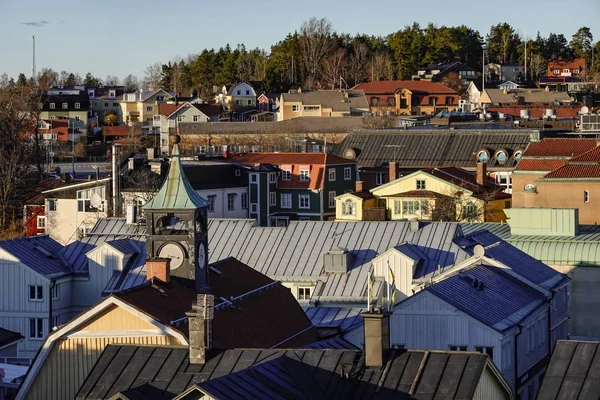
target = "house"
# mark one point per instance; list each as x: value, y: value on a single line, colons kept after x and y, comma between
x: 470, y: 101
x: 502, y: 72
x: 560, y: 173
x: 56, y: 130
x: 322, y: 103
x: 11, y: 372
x: 295, y: 186
x: 34, y: 210
x: 141, y: 107
x: 268, y: 102
x: 572, y: 372
x: 9, y: 344
x: 359, y: 205
x: 163, y: 315
x: 508, y: 85
x: 71, y: 209
x: 439, y: 71
x: 438, y: 194
x: 237, y: 97
x: 314, y: 372
x: 521, y: 97
x: 104, y: 101
x: 409, y: 97
x: 575, y: 68
x: 71, y: 105
x: 117, y: 132
x: 433, y: 148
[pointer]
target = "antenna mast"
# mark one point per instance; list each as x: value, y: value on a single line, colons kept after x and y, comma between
x: 33, y: 69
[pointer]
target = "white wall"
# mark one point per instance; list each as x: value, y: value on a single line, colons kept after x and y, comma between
x: 220, y: 205
x: 63, y: 223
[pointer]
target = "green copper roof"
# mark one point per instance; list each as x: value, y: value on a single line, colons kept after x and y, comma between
x: 177, y: 192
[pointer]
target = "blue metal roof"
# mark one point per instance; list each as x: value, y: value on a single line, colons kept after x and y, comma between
x: 519, y: 261
x: 344, y: 319
x: 124, y: 246
x: 40, y: 253
x: 501, y: 302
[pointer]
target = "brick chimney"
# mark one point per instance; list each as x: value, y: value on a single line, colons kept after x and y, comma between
x: 359, y: 186
x: 159, y: 268
x: 377, y: 338
x: 482, y: 173
x: 393, y: 171
x: 200, y: 327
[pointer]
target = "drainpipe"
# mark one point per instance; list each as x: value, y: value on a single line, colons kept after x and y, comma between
x: 52, y: 284
x: 516, y: 362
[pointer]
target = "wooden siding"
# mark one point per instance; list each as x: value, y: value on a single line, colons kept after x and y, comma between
x: 489, y: 388
x: 71, y: 360
x: 115, y: 319
x: 403, y: 272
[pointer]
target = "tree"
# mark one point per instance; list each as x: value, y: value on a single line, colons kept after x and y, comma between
x: 4, y: 81
x: 110, y: 118
x: 581, y: 43
x: 380, y: 122
x: 131, y: 83
x: 537, y: 66
x: 71, y: 80
x: 153, y: 76
x: 314, y: 43
x: 502, y: 43
x: 453, y: 81
x: 80, y: 150
x: 47, y: 77
x: 91, y: 81
x: 556, y: 47
x: 22, y: 80
x: 112, y: 81
x: 382, y: 67
x: 359, y: 60
x: 144, y: 183
x: 332, y: 67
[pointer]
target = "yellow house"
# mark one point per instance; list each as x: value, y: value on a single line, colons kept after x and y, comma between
x: 323, y: 103
x: 73, y: 105
x: 439, y: 194
x: 141, y: 107
x: 359, y: 205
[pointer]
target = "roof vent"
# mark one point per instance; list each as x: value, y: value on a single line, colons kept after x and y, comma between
x: 337, y: 261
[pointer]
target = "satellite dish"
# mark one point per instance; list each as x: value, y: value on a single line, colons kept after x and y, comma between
x: 478, y: 251
x: 96, y: 201
x: 585, y: 110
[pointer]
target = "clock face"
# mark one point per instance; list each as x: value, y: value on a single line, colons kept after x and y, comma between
x: 201, y: 255
x: 174, y: 252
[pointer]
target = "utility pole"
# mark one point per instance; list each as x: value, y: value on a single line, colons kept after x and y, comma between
x: 33, y: 72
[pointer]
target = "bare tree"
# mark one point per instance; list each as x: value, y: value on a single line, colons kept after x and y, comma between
x: 314, y: 43
x: 131, y: 83
x: 333, y: 67
x: 380, y: 122
x: 4, y: 80
x: 112, y: 81
x: 382, y: 67
x: 47, y: 77
x: 143, y: 184
x: 455, y: 205
x: 152, y: 76
x: 537, y: 65
x: 359, y: 61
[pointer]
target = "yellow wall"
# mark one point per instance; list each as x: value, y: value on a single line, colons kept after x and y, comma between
x: 409, y: 183
x: 358, y: 202
x: 82, y: 114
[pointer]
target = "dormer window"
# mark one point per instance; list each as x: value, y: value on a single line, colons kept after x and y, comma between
x: 65, y: 106
x: 239, y: 92
x: 565, y: 70
x: 501, y: 156
x: 483, y: 156
x: 52, y: 106
x: 556, y: 72
x: 247, y: 93
x: 112, y: 93
x: 77, y: 105
x: 576, y: 71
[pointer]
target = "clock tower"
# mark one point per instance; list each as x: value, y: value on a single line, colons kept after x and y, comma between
x: 177, y: 225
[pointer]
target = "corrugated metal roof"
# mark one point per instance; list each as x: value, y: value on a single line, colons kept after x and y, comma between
x: 124, y: 246
x: 40, y: 253
x: 344, y: 319
x: 500, y: 303
x: 176, y: 192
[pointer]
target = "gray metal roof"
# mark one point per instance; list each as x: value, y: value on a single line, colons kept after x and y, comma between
x: 344, y: 319
x: 40, y: 253
x: 431, y: 148
x: 176, y: 192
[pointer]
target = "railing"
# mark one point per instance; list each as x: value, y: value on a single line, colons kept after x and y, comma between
x: 374, y: 214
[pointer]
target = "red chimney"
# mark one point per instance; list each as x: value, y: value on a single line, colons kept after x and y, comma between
x: 159, y: 268
x: 393, y: 171
x: 359, y: 186
x: 482, y: 173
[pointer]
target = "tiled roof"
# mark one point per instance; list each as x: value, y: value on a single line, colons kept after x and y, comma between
x: 573, y: 372
x: 7, y: 337
x: 574, y: 171
x: 110, y: 131
x: 591, y: 156
x: 167, y: 109
x: 532, y: 164
x: 502, y: 302
x: 333, y: 99
x: 390, y: 87
x: 559, y: 147
x: 164, y: 372
x: 40, y: 253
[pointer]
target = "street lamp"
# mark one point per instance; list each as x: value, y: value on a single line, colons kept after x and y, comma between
x: 483, y: 46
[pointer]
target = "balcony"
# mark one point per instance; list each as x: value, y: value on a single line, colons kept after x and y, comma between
x: 373, y: 214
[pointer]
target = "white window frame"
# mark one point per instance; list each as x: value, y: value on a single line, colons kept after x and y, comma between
x: 304, y: 293
x: 65, y: 106
x: 586, y: 196
x: 556, y: 71
x: 77, y: 105
x: 231, y: 201
x: 38, y: 293
x: 52, y: 106
x: 286, y: 175
x: 304, y: 175
x: 379, y: 178
x: 272, y: 199
x: 55, y: 292
x: 295, y: 108
x: 349, y: 208
x: 347, y: 173
x: 196, y: 118
x: 149, y: 108
x: 180, y: 118
x: 254, y: 208
x: 106, y: 104
x: 52, y: 203
x: 77, y: 119
x: 411, y: 207
x: 244, y: 199
x: 566, y: 70
x: 211, y: 198
x: 253, y: 178
x: 36, y: 328
x: 332, y: 199
x: 304, y: 201
x: 272, y: 178
x: 285, y: 200
x: 331, y: 174
x: 41, y: 218
x: 576, y: 71
x: 84, y: 197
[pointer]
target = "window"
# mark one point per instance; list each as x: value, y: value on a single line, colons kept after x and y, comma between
x: 420, y: 184
x: 253, y: 178
x: 586, y: 196
x: 211, y: 199
x: 52, y: 106
x: 397, y: 207
x: 115, y: 104
x: 501, y: 157
x: 304, y: 175
x: 244, y: 201
x: 91, y: 200
x: 556, y: 72
x: 41, y: 222
x: 36, y: 328
x: 286, y: 200
x: 485, y: 350
x: 483, y: 156
x: 273, y: 199
x: 379, y: 178
x: 347, y: 173
x: 304, y: 201
x: 331, y: 199
x: 51, y: 204
x: 180, y: 118
x: 239, y: 92
x: 457, y: 348
x: 303, y: 293
x: 106, y: 104
x: 36, y: 293
x: 295, y: 108
x: 249, y: 102
x: 231, y: 201
x: 160, y: 98
x: 348, y: 208
x: 507, y: 204
x: 576, y: 71
x: 374, y: 101
x: 331, y: 174
x: 149, y: 109
x: 286, y: 175
x: 469, y: 211
x: 77, y: 105
x: 247, y: 93
x: 196, y: 118
x: 424, y: 207
x: 253, y: 208
x: 54, y: 292
x: 410, y: 207
x: 272, y: 178
x: 112, y: 93
x: 565, y: 70
x: 77, y: 118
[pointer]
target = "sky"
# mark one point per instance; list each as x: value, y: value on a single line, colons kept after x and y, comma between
x: 109, y: 37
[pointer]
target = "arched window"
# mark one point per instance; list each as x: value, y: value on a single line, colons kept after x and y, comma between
x: 171, y: 225
x: 348, y: 208
x: 518, y: 155
x: 374, y: 101
x: 391, y: 101
x: 501, y: 156
x: 483, y: 156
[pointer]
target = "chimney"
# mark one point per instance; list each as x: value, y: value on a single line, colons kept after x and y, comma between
x: 393, y: 171
x: 359, y: 186
x: 151, y: 151
x: 481, y: 173
x: 200, y: 327
x: 377, y: 338
x: 159, y: 268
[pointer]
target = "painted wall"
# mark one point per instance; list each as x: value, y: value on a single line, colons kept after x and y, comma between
x: 62, y: 225
x: 221, y: 204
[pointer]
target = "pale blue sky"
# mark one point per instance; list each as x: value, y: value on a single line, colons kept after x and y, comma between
x: 121, y: 37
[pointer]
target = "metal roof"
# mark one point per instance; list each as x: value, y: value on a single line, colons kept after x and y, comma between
x: 500, y: 303
x: 40, y: 253
x: 344, y: 319
x: 176, y: 192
